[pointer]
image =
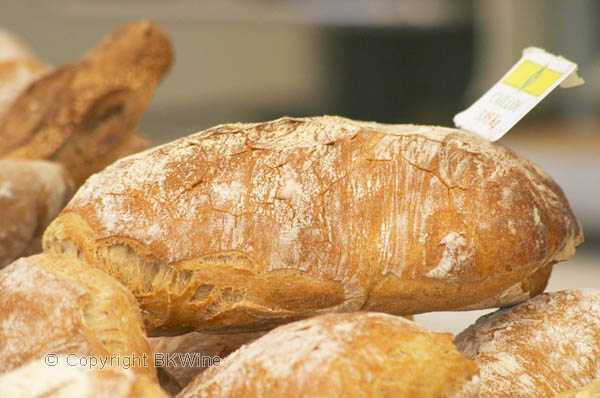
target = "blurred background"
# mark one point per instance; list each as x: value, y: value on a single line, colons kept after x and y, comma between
x: 400, y: 61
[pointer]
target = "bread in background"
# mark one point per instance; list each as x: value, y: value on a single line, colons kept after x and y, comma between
x: 32, y: 193
x: 18, y: 68
x: 80, y: 113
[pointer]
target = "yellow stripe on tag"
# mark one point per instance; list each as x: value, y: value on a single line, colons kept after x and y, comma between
x: 532, y: 78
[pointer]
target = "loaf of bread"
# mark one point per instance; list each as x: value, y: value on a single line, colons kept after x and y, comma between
x: 83, y: 111
x: 592, y: 390
x: 342, y: 355
x: 185, y: 356
x: 32, y: 193
x: 36, y: 379
x: 53, y: 304
x: 540, y: 348
x: 244, y: 226
x: 18, y: 68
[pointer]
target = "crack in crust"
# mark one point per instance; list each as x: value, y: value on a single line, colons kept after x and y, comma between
x: 332, y: 214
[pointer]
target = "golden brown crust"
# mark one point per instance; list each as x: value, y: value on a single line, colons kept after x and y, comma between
x: 245, y: 226
x: 83, y: 111
x: 36, y: 380
x: 539, y: 348
x: 32, y: 193
x: 592, y: 390
x: 55, y: 304
x: 342, y: 355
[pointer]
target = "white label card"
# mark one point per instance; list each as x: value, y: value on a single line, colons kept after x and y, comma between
x: 534, y: 76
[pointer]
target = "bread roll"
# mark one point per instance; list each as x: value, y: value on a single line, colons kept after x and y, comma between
x: 187, y: 355
x: 342, y: 355
x: 83, y: 111
x: 540, y: 348
x: 57, y: 305
x: 36, y: 380
x: 592, y: 390
x: 244, y: 226
x: 32, y: 193
x: 18, y: 68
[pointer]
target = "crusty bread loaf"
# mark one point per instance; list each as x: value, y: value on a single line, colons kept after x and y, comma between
x: 540, y: 348
x: 244, y: 226
x: 53, y: 304
x: 38, y: 380
x: 342, y: 355
x: 18, y: 68
x: 592, y: 390
x: 81, y: 112
x: 187, y: 355
x: 32, y: 193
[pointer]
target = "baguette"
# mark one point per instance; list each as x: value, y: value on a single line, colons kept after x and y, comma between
x: 57, y: 305
x: 540, y: 348
x: 246, y: 226
x: 342, y: 355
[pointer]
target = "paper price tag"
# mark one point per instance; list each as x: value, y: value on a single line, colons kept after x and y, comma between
x: 535, y: 75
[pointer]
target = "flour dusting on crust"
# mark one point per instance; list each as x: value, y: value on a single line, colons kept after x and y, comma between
x: 287, y: 164
x: 540, y: 348
x: 338, y: 200
x: 37, y: 379
x: 305, y: 358
x: 456, y: 257
x: 55, y: 302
